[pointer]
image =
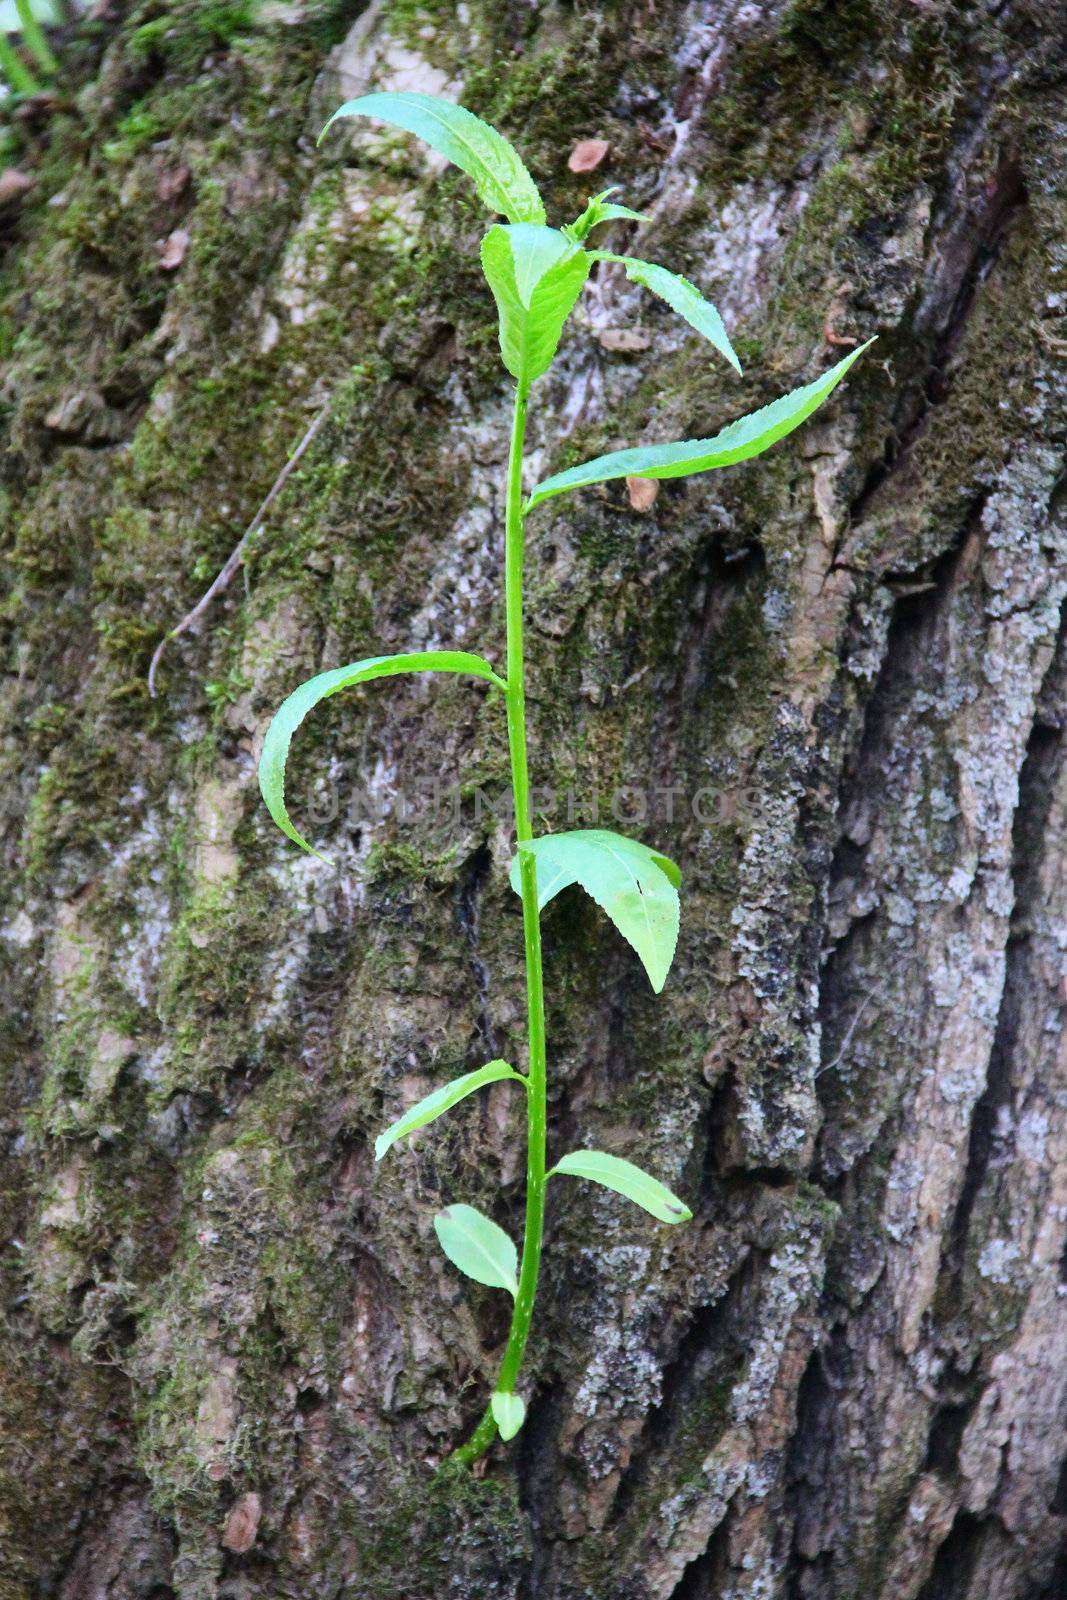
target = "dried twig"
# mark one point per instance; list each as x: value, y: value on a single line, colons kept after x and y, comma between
x: 872, y: 994
x: 237, y: 555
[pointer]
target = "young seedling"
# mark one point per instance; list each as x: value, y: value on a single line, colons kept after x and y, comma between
x: 536, y: 274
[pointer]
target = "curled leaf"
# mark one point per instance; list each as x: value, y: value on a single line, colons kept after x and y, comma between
x: 293, y: 710
x: 636, y: 886
x: 587, y: 155
x: 682, y: 296
x: 600, y: 210
x: 172, y: 249
x: 642, y: 493
x: 536, y: 275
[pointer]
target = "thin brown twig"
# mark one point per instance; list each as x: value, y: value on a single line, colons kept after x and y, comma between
x: 237, y: 555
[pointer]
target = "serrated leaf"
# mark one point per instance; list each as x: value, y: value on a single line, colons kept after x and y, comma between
x: 536, y: 275
x: 682, y: 296
x: 499, y: 173
x: 509, y: 1413
x: 443, y: 1099
x: 478, y: 1247
x: 295, y: 708
x: 636, y: 886
x: 622, y: 1176
x: 746, y: 437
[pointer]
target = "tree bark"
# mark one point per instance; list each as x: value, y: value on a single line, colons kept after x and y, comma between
x: 832, y: 684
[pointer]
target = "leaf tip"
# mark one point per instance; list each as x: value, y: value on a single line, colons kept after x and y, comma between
x: 327, y: 125
x: 308, y: 849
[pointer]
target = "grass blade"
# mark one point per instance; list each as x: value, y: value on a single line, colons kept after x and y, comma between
x: 34, y: 39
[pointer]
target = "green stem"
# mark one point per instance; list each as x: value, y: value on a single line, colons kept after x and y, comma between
x: 483, y: 1435
x: 19, y: 77
x: 34, y: 40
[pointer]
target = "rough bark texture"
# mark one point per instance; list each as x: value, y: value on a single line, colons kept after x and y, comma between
x: 232, y: 1353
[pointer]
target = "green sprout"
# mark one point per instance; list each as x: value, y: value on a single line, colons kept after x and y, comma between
x: 536, y: 274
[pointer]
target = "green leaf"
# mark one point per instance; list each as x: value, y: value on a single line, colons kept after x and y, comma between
x: 616, y: 213
x: 615, y: 1173
x: 478, y: 1247
x: 293, y: 710
x: 509, y: 1413
x: 746, y: 437
x: 431, y: 1107
x: 682, y: 296
x: 536, y: 275
x: 597, y: 211
x: 636, y: 886
x: 499, y: 174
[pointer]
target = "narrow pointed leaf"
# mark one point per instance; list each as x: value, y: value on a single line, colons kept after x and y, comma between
x: 443, y: 1099
x: 499, y: 174
x: 746, y: 437
x: 682, y: 296
x: 599, y: 210
x: 615, y: 1173
x: 478, y: 1247
x: 617, y: 213
x: 509, y: 1413
x: 536, y: 275
x: 636, y: 886
x: 293, y: 710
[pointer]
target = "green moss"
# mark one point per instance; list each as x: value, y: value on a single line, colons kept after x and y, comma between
x: 211, y: 984
x: 190, y: 30
x: 456, y: 1523
x: 138, y: 127
x: 69, y: 813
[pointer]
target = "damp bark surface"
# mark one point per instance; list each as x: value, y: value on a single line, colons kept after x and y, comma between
x: 832, y: 684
